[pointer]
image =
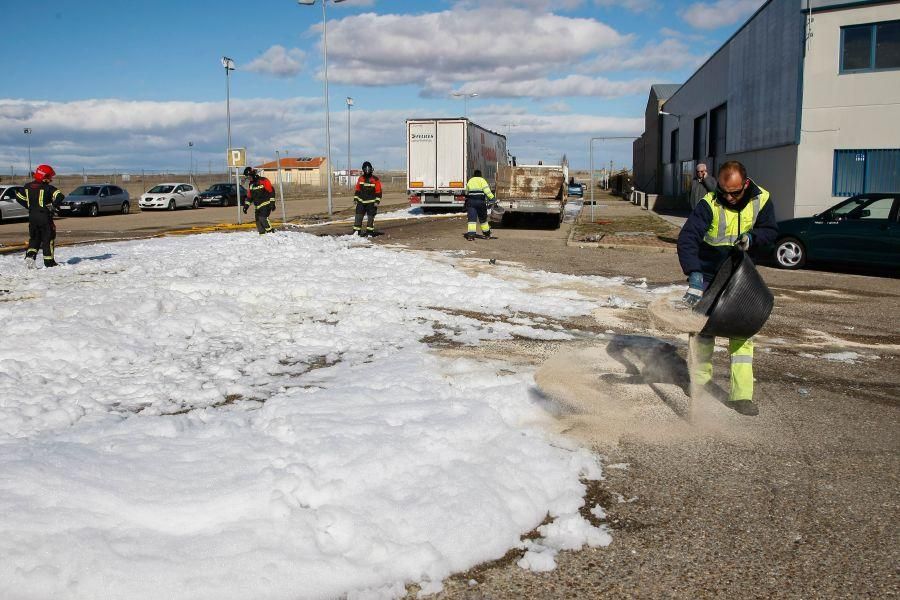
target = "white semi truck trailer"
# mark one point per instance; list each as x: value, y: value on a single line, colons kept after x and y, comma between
x: 442, y: 154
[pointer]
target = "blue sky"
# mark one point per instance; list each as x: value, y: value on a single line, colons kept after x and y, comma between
x: 126, y: 88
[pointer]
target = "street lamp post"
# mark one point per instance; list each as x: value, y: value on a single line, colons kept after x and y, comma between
x: 349, y: 104
x: 27, y: 132
x: 593, y: 139
x: 229, y: 66
x: 191, y: 169
x: 327, y: 114
x: 465, y: 98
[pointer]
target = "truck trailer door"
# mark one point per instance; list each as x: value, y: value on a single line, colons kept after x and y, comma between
x: 451, y: 155
x: 421, y: 140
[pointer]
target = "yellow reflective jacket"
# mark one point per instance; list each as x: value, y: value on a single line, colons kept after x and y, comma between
x: 727, y: 224
x: 478, y: 186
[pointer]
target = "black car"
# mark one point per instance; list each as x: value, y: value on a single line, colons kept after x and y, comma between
x: 864, y: 229
x: 220, y: 194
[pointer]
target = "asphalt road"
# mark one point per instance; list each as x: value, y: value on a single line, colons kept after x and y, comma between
x: 149, y: 223
x: 801, y: 501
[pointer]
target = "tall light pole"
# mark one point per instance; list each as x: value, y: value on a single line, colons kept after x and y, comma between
x: 349, y: 104
x: 229, y: 66
x: 27, y: 131
x: 191, y: 170
x: 465, y: 98
x: 593, y: 139
x: 327, y: 114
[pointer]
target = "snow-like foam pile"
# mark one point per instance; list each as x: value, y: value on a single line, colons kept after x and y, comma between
x: 230, y: 416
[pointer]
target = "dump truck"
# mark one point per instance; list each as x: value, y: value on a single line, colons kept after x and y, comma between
x: 442, y: 155
x: 541, y: 189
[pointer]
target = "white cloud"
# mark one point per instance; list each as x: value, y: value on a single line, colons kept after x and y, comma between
x: 110, y: 134
x: 278, y: 61
x: 668, y: 32
x: 439, y: 50
x: 712, y: 15
x: 569, y: 86
x: 632, y: 5
x: 558, y: 107
x: 667, y: 55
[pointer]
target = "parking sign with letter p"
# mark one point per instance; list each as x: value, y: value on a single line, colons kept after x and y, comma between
x: 236, y: 157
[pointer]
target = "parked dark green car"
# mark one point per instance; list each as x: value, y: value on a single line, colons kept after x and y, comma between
x: 863, y: 229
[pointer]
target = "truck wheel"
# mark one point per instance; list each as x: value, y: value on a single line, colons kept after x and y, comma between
x: 94, y: 210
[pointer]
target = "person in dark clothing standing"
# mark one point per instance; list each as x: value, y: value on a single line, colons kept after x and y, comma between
x: 261, y: 195
x: 41, y: 199
x: 367, y: 197
x: 738, y: 214
x: 702, y: 184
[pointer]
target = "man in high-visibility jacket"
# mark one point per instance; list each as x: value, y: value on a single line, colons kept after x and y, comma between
x: 737, y: 214
x: 478, y: 194
x: 41, y: 199
x: 261, y: 195
x: 367, y: 196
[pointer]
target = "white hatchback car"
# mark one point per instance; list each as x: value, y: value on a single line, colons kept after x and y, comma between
x: 169, y: 196
x: 9, y: 206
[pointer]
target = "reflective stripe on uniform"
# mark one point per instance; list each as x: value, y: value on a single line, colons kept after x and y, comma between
x: 701, y: 348
x: 741, y: 351
x: 728, y: 225
x: 41, y: 198
x: 478, y: 186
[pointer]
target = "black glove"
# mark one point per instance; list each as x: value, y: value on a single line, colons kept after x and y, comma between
x: 246, y: 208
x: 744, y: 242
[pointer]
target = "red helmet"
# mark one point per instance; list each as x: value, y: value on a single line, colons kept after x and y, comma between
x: 44, y: 173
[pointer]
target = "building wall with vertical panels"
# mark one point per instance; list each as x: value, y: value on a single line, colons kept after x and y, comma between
x: 843, y: 111
x: 757, y: 75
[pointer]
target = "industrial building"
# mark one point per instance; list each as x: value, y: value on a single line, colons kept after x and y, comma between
x: 806, y: 94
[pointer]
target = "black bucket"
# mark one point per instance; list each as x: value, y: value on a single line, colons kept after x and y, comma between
x: 738, y: 302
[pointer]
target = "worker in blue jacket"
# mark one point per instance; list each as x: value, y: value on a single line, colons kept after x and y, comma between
x: 739, y: 213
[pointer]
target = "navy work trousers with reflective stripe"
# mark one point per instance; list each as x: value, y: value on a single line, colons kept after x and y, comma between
x: 41, y: 235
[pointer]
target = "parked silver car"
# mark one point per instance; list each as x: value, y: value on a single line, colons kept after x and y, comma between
x: 95, y: 199
x: 9, y: 207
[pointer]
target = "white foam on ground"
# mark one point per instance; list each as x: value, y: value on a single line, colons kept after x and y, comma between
x: 235, y: 416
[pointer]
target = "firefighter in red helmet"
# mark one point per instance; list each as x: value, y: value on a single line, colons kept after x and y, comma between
x: 41, y: 199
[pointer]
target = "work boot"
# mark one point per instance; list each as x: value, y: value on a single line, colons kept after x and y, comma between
x: 744, y: 407
x: 29, y: 262
x: 487, y: 233
x: 470, y: 236
x: 50, y: 263
x: 363, y: 233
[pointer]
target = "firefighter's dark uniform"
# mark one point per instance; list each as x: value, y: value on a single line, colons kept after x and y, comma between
x: 478, y: 193
x: 261, y: 195
x: 367, y: 197
x: 41, y: 199
x: 705, y: 241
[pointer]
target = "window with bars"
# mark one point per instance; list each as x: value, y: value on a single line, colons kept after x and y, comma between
x: 866, y: 171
